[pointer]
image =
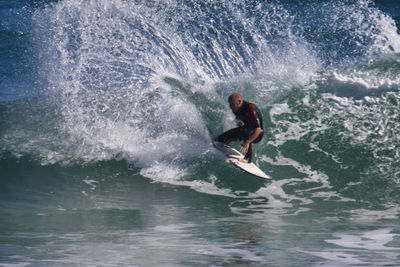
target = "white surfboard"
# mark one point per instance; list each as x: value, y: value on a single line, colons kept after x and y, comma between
x: 234, y: 157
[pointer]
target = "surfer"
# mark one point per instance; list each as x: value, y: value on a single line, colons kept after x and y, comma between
x: 250, y: 126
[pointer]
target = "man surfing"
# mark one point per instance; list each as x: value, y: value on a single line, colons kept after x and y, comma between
x: 250, y: 126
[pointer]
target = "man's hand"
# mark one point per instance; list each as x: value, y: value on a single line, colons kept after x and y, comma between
x: 244, y: 147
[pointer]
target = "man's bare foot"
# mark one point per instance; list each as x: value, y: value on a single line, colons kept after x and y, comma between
x: 243, y: 160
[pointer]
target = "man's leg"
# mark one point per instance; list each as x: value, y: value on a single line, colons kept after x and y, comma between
x: 231, y: 135
x: 249, y: 154
x: 236, y: 134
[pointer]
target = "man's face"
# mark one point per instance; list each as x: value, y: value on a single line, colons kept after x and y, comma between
x: 235, y: 104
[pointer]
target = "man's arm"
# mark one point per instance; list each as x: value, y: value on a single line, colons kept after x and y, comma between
x: 245, y: 146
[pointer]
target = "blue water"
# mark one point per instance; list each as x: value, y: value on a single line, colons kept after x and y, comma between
x: 107, y: 110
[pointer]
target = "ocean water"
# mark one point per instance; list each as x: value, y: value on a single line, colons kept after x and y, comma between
x: 108, y: 108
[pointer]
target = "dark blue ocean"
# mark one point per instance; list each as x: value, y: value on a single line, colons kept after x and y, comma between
x: 108, y: 108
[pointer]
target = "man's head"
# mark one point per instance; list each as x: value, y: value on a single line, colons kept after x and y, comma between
x: 235, y: 101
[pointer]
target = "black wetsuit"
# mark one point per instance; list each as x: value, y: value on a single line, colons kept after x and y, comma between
x: 252, y: 118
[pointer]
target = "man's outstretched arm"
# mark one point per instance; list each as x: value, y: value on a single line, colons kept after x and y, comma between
x: 245, y: 146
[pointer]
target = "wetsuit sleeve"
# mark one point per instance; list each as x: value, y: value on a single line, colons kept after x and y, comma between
x: 256, y: 117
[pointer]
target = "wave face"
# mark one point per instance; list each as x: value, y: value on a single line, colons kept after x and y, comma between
x: 146, y: 81
x: 140, y: 87
x: 143, y: 81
